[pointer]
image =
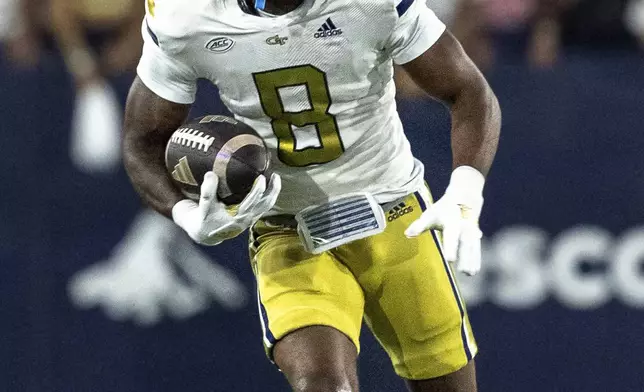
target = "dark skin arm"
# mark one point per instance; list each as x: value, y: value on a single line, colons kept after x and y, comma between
x: 446, y: 73
x: 149, y: 123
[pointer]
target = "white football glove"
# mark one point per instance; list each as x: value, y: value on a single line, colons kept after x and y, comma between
x: 210, y: 223
x: 456, y: 214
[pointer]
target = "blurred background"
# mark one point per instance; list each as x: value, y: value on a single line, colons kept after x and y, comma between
x: 98, y: 294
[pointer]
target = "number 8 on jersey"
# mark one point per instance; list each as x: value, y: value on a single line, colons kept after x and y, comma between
x: 314, y: 81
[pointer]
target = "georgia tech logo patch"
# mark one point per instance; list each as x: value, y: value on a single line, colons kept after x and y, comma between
x: 398, y: 211
x: 220, y: 44
x: 276, y: 40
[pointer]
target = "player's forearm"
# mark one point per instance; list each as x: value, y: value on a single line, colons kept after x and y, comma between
x: 149, y: 123
x: 445, y: 72
x: 149, y: 177
x: 476, y: 126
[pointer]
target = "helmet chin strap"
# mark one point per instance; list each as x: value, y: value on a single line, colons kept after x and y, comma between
x: 260, y: 4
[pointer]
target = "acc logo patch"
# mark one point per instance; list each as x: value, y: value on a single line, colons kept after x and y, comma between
x: 220, y: 44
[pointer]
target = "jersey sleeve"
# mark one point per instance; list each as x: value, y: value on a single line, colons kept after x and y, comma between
x: 417, y: 29
x: 162, y: 70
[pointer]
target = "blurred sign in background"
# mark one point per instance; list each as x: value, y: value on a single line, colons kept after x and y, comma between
x: 98, y: 294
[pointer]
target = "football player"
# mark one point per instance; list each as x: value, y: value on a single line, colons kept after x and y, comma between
x: 345, y: 229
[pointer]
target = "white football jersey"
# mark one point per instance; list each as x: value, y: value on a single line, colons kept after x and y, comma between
x: 315, y: 83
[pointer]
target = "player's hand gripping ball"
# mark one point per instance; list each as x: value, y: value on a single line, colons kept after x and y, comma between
x: 229, y: 148
x: 219, y: 161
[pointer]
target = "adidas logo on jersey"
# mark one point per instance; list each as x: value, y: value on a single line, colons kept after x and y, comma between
x: 328, y: 29
x: 398, y: 211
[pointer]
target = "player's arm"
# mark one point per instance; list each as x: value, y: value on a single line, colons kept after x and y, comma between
x: 149, y: 123
x: 437, y: 63
x: 445, y: 72
x: 158, y: 103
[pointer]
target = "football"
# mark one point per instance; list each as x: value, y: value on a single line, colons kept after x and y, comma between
x: 230, y: 148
